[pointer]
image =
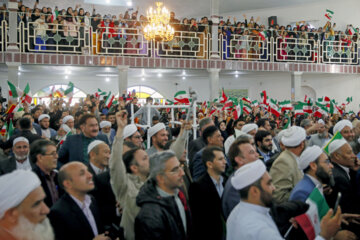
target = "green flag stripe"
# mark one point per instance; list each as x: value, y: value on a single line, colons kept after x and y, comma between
x: 320, y: 202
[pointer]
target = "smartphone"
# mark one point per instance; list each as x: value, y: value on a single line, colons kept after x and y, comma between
x: 337, y: 203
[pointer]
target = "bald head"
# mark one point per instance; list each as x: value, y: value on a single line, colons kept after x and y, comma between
x: 75, y: 179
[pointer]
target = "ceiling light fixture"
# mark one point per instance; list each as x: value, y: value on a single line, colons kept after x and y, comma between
x: 142, y: 79
x: 183, y: 78
x: 236, y: 76
x: 107, y: 79
x: 159, y: 75
x: 66, y: 77
x: 129, y: 4
x: 158, y: 28
x: 183, y: 72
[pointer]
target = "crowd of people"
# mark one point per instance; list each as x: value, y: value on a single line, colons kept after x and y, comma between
x: 75, y: 30
x: 86, y: 172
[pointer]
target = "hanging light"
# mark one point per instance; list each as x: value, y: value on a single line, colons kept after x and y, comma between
x: 158, y: 27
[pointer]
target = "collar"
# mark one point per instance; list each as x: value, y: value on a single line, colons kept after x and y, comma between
x: 317, y: 183
x: 296, y: 157
x: 162, y: 193
x: 256, y: 208
x: 96, y: 169
x: 81, y: 204
x: 346, y: 169
x: 215, y: 182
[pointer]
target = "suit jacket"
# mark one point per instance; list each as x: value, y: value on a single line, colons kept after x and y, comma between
x: 69, y: 221
x: 230, y: 197
x: 285, y: 174
x: 105, y: 198
x: 195, y: 146
x: 205, y: 205
x: 72, y: 148
x: 8, y: 165
x: 37, y: 127
x: 302, y: 189
x: 48, y: 200
x: 197, y: 167
x: 349, y: 200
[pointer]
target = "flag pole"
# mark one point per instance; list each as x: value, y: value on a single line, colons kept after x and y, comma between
x: 288, y: 231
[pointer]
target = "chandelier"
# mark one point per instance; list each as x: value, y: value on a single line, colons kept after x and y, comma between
x: 158, y: 27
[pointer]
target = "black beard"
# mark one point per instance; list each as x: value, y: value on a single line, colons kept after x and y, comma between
x: 324, y: 177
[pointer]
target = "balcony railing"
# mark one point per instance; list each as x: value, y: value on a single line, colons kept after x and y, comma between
x: 120, y: 41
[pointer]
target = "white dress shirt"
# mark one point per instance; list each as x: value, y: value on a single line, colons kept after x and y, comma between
x: 23, y: 166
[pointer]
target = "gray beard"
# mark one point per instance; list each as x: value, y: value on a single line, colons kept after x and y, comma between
x: 20, y: 157
x: 26, y: 230
x: 322, y: 135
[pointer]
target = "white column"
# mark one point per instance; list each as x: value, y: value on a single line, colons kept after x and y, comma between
x: 123, y: 79
x: 13, y: 71
x: 296, y: 78
x: 214, y: 83
x: 214, y: 50
x: 12, y: 32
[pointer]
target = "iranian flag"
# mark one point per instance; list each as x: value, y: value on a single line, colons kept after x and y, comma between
x: 109, y: 100
x: 3, y: 130
x: 213, y: 110
x: 69, y: 92
x: 322, y: 110
x: 334, y: 108
x: 264, y: 98
x: 310, y: 221
x: 238, y: 110
x: 307, y: 108
x: 273, y: 108
x: 352, y: 31
x: 247, y: 108
x: 247, y: 100
x: 229, y: 104
x: 255, y: 103
x: 285, y: 105
x: 263, y: 35
x: 349, y: 100
x: 26, y: 96
x: 223, y: 98
x: 298, y: 109
x: 64, y: 138
x: 181, y: 97
x: 14, y: 91
x: 100, y: 93
x: 10, y: 130
x: 288, y: 123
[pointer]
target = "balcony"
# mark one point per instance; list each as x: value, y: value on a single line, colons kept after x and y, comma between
x: 72, y: 45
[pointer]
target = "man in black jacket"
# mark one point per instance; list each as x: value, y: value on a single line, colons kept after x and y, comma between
x: 43, y: 154
x: 76, y: 214
x: 164, y: 212
x: 205, y: 197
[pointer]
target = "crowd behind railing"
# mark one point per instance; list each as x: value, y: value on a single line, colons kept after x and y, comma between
x: 80, y: 32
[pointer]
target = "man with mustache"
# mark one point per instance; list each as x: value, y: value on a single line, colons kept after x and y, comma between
x: 321, y: 137
x: 317, y: 170
x: 75, y: 147
x: 22, y: 208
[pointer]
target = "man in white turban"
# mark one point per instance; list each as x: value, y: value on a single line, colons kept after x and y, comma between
x: 317, y: 173
x: 345, y: 127
x: 250, y: 219
x: 22, y: 208
x: 285, y: 171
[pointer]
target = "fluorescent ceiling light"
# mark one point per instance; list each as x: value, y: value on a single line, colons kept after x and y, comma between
x: 120, y: 3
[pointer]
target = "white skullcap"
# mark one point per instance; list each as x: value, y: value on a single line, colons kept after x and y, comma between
x: 293, y: 136
x: 15, y: 187
x: 156, y: 128
x: 248, y: 174
x: 129, y: 130
x: 336, y: 144
x: 67, y: 118
x: 339, y: 126
x: 321, y: 122
x: 105, y: 124
x: 94, y: 144
x: 310, y: 154
x: 20, y: 139
x: 249, y: 127
x: 42, y: 116
x: 65, y: 127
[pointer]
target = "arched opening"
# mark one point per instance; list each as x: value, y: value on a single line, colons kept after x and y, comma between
x: 57, y: 91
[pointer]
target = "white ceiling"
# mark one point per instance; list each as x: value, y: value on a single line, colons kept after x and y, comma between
x: 185, y: 8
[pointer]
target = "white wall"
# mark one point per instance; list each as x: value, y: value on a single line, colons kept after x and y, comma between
x: 346, y: 12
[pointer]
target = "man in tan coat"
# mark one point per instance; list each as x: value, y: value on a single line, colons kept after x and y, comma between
x: 285, y: 171
x: 129, y: 172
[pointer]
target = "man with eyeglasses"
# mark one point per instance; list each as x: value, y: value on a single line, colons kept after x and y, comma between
x: 43, y: 154
x: 164, y: 213
x: 132, y: 134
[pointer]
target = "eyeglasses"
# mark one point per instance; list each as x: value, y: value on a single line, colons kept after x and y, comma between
x: 175, y: 170
x: 54, y: 154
